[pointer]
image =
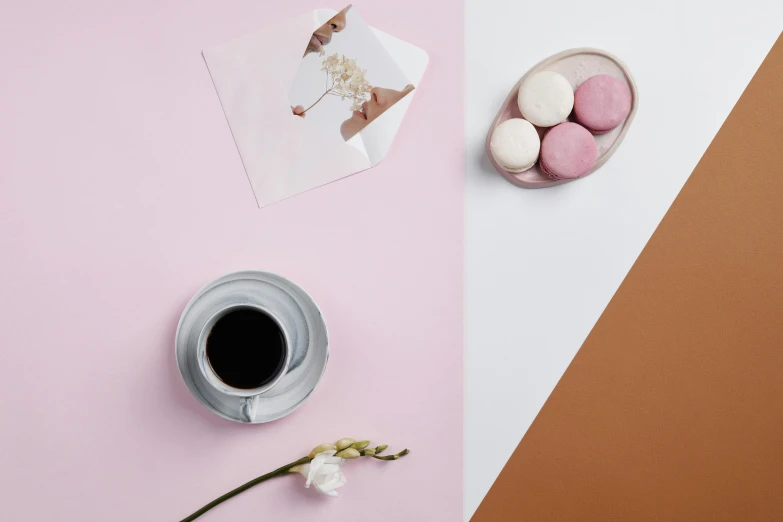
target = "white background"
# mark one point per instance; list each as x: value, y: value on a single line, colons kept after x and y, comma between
x: 358, y: 42
x: 541, y: 265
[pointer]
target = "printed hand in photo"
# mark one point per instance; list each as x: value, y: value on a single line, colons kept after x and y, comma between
x: 323, y: 35
x: 299, y: 110
x: 380, y: 100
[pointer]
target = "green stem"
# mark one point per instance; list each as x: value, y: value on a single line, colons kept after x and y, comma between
x: 276, y: 473
x: 396, y: 456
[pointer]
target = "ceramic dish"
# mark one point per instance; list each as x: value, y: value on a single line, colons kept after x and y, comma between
x: 298, y: 315
x: 577, y: 65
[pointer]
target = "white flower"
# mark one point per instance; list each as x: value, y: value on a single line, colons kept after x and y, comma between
x: 347, y: 80
x: 324, y: 472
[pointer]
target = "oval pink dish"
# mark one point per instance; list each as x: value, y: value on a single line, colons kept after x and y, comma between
x: 577, y: 65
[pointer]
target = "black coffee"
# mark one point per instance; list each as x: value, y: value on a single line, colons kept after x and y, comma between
x: 246, y: 348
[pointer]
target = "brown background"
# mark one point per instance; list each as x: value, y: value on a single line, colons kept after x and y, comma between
x: 673, y: 407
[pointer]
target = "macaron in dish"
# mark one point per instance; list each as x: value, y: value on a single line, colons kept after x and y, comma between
x: 568, y: 151
x: 515, y: 145
x: 601, y: 103
x: 545, y: 98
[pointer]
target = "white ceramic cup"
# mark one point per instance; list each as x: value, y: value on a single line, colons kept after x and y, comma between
x: 249, y: 397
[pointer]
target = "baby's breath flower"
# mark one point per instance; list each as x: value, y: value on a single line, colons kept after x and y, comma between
x: 347, y: 81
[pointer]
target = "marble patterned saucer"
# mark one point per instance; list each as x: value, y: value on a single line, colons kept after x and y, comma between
x: 298, y: 315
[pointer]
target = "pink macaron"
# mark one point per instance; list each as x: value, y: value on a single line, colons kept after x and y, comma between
x: 601, y: 103
x: 568, y: 151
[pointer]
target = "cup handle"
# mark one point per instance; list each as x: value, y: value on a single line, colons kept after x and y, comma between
x: 249, y: 406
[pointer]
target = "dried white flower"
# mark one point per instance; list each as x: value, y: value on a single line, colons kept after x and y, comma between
x: 344, y: 78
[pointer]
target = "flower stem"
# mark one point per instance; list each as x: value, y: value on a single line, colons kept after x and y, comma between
x: 276, y: 473
x: 396, y: 456
x: 319, y: 99
x: 316, y: 101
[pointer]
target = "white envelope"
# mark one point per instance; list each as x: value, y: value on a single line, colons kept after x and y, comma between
x: 283, y: 154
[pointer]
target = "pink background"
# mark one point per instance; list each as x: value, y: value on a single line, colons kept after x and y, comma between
x: 122, y: 193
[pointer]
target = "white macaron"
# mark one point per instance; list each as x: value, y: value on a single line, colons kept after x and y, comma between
x: 546, y: 99
x: 515, y: 145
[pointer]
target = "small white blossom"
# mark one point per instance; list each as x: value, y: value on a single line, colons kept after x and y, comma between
x: 347, y: 80
x: 324, y: 472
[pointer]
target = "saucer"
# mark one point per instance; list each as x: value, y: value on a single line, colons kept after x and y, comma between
x: 298, y: 314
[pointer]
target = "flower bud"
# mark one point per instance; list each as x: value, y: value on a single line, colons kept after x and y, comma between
x: 369, y: 452
x: 381, y: 448
x: 361, y: 444
x: 344, y: 443
x: 349, y: 453
x: 320, y: 449
x: 396, y: 456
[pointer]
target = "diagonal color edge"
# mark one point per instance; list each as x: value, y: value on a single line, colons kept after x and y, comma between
x: 672, y: 410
